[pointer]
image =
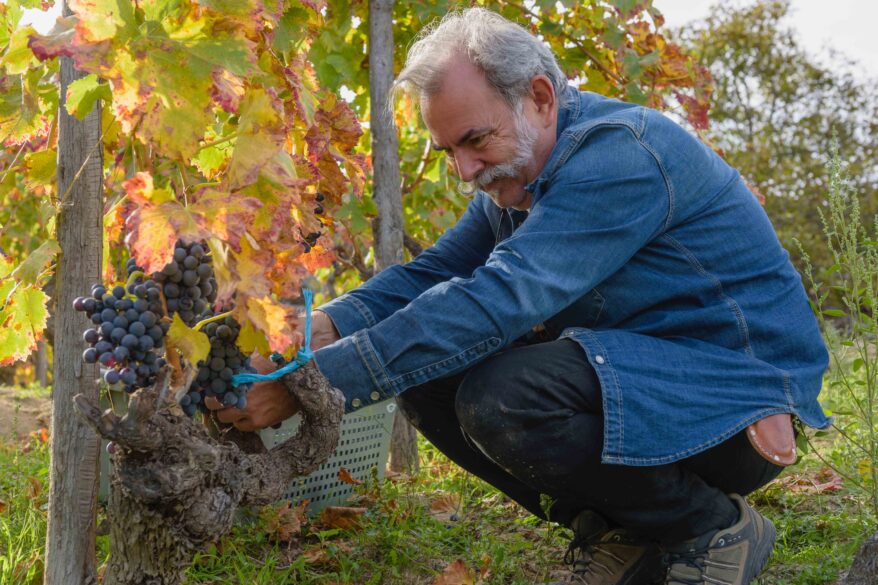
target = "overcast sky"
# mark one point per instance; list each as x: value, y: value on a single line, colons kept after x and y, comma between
x: 847, y: 26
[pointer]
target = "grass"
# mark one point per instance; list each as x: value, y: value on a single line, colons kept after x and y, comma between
x: 400, y: 540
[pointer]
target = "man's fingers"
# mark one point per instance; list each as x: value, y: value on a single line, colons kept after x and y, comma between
x: 230, y: 415
x: 213, y: 404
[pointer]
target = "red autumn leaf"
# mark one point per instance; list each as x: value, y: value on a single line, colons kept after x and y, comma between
x: 444, y: 507
x: 343, y: 517
x: 284, y: 522
x: 456, y: 573
x: 345, y: 476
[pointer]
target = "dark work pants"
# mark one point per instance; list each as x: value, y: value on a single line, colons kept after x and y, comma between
x: 529, y: 421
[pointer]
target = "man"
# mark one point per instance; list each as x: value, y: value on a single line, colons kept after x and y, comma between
x: 601, y: 326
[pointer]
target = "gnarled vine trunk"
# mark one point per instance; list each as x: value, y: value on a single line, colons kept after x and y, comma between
x: 174, y: 489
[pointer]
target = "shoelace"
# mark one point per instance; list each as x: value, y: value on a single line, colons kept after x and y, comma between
x: 588, y: 562
x: 679, y: 562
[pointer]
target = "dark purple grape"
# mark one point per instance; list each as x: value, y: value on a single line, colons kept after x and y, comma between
x: 188, y: 317
x: 132, y: 315
x: 91, y: 336
x: 118, y: 291
x: 120, y: 321
x: 98, y: 292
x: 204, y: 270
x: 172, y: 291
x: 128, y: 376
x: 137, y: 328
x: 109, y: 302
x: 96, y: 319
x: 149, y: 358
x: 108, y: 315
x: 190, y: 410
x: 230, y: 399
x: 203, y: 374
x: 186, y: 304
x: 197, y: 251
x: 117, y: 334
x: 224, y: 331
x: 146, y: 343
x: 120, y: 353
x: 226, y: 374
x: 138, y: 355
x: 170, y: 269
x: 242, y: 402
x: 141, y: 305
x: 194, y: 397
x: 153, y: 294
x: 90, y: 355
x: 217, y: 364
x: 88, y: 305
x: 185, y: 401
x: 140, y: 291
x: 124, y: 305
x: 190, y: 278
x: 176, y: 277
x: 111, y: 377
x: 179, y: 254
x: 218, y: 386
x: 143, y: 371
x: 106, y: 328
x: 156, y: 333
x: 190, y: 262
x: 79, y: 304
x: 193, y: 292
x: 107, y: 358
x: 103, y: 346
x: 130, y: 341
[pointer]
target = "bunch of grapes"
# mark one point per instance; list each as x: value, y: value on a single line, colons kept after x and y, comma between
x: 216, y: 372
x: 131, y: 323
x: 188, y: 282
x: 128, y: 332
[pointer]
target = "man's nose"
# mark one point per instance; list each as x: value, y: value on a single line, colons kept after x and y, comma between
x: 468, y: 167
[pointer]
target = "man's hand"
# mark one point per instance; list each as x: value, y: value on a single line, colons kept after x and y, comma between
x: 269, y: 403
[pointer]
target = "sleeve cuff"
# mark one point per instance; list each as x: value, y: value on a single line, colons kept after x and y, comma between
x: 351, y: 365
x: 348, y: 314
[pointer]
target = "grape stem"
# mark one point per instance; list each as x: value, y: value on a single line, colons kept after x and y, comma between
x: 132, y: 277
x: 204, y: 322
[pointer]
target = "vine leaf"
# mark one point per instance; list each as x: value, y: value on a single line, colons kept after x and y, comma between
x: 195, y: 345
x: 22, y: 322
x: 83, y: 93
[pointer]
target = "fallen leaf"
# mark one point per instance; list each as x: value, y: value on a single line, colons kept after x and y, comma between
x: 3, y: 506
x: 457, y: 573
x: 44, y: 435
x: 824, y: 481
x: 446, y: 508
x: 284, y: 522
x: 341, y: 517
x: 345, y: 476
x: 322, y: 555
x: 35, y: 487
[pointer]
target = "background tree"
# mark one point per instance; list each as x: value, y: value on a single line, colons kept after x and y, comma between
x: 774, y: 111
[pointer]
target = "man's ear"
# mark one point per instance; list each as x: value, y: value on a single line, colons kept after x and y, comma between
x: 542, y: 92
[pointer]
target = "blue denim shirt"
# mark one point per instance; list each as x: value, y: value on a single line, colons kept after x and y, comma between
x: 643, y: 246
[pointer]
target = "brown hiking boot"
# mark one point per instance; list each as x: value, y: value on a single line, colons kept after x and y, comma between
x: 599, y: 556
x: 732, y: 556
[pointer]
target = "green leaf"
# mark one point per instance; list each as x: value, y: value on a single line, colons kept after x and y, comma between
x: 41, y: 167
x: 858, y: 363
x: 193, y: 345
x: 833, y: 312
x: 18, y: 57
x: 28, y: 271
x: 83, y: 93
x: 22, y: 322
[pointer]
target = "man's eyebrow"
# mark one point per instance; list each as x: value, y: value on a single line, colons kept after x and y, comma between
x: 467, y: 136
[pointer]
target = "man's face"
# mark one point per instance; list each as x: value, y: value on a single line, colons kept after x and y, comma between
x: 487, y: 144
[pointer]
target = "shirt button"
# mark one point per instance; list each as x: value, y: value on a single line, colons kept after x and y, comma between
x: 374, y: 395
x: 599, y: 359
x: 356, y: 402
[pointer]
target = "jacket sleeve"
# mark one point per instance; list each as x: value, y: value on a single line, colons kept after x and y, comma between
x: 457, y: 253
x: 591, y: 216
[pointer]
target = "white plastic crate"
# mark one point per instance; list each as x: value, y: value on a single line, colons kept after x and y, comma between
x: 363, y: 444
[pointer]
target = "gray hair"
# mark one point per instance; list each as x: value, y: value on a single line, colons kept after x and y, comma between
x: 507, y: 53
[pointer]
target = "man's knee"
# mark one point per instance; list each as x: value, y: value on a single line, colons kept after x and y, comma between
x: 483, y: 397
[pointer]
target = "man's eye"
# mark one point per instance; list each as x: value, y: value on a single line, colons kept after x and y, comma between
x: 481, y: 141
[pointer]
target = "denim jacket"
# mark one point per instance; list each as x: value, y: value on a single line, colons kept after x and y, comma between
x: 643, y: 246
